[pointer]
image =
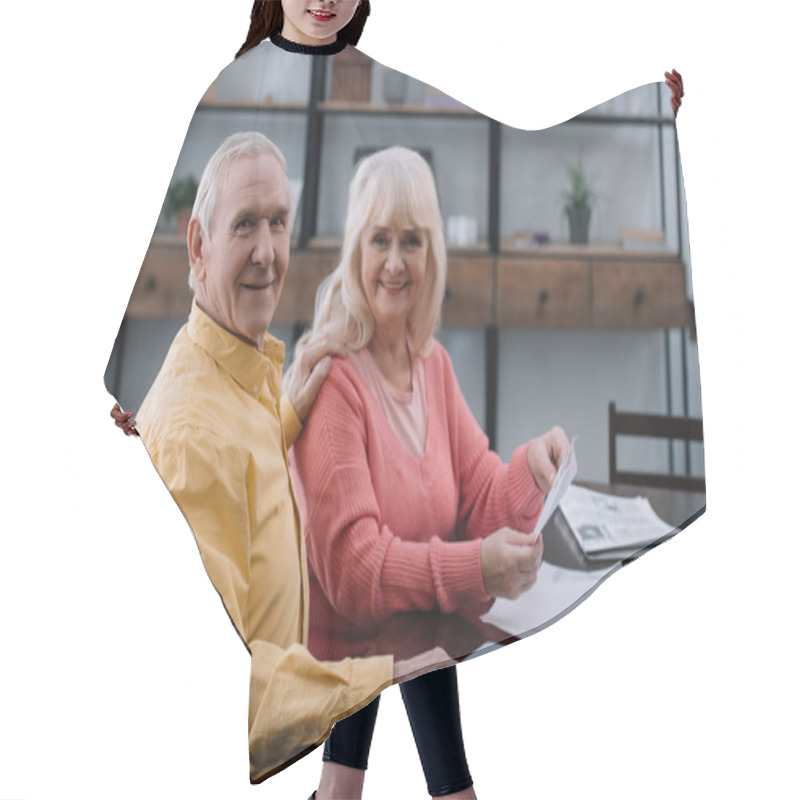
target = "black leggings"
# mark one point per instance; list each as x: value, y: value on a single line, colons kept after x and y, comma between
x: 432, y: 707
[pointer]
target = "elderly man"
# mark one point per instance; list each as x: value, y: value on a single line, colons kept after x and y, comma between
x: 217, y: 430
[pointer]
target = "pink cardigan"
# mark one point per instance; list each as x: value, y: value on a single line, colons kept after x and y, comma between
x: 386, y: 532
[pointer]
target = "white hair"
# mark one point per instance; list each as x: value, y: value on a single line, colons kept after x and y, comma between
x: 391, y: 188
x: 236, y: 146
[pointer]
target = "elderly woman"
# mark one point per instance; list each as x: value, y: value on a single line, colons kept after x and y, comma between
x: 405, y: 506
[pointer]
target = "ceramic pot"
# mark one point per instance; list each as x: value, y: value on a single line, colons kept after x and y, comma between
x: 578, y: 216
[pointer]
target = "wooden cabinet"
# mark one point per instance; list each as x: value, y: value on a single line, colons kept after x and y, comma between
x: 543, y: 293
x: 468, y: 297
x: 608, y: 288
x: 162, y: 288
x: 555, y: 287
x: 639, y: 294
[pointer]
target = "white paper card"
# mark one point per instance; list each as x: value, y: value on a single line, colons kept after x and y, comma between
x: 564, y: 477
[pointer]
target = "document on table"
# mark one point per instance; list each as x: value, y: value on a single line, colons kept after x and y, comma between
x: 556, y: 591
x: 564, y: 477
x: 607, y: 526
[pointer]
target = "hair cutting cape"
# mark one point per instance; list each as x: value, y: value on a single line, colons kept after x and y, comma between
x: 569, y: 302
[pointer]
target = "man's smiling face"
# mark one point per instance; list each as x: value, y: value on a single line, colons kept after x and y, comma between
x: 243, y: 259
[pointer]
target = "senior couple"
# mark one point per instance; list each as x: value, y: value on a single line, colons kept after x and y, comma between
x: 400, y: 504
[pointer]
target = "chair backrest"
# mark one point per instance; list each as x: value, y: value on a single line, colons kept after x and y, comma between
x: 621, y: 423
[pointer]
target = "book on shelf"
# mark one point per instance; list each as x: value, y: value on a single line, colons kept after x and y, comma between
x: 610, y: 527
x: 643, y: 239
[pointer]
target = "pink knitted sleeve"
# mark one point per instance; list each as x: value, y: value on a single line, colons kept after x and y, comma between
x: 365, y: 570
x: 493, y: 494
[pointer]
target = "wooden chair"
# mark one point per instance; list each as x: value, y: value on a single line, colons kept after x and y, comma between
x: 687, y: 429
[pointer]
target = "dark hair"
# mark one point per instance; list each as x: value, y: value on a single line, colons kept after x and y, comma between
x: 266, y: 19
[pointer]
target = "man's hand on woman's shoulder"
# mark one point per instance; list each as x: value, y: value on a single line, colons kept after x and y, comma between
x: 308, y: 371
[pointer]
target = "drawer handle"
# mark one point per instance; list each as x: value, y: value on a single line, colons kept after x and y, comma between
x: 150, y: 283
x: 638, y: 298
x: 544, y: 296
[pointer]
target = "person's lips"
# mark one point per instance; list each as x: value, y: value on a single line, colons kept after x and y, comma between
x: 258, y: 286
x: 393, y: 288
x: 321, y: 16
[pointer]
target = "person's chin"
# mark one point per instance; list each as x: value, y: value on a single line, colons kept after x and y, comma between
x: 395, y: 302
x: 261, y: 302
x: 255, y: 325
x: 319, y: 32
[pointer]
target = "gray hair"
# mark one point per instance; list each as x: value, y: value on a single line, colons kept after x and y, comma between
x: 236, y: 146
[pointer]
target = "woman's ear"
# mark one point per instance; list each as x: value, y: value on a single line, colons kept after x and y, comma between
x: 195, y: 239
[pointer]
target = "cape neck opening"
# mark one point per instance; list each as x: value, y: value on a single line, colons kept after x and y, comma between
x: 309, y: 49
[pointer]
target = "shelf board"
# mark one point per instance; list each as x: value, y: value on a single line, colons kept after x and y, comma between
x: 172, y: 239
x: 479, y: 249
x: 167, y: 239
x: 250, y: 105
x: 341, y: 107
x: 369, y: 109
x: 599, y: 250
x: 325, y: 243
x: 333, y: 243
x: 623, y: 119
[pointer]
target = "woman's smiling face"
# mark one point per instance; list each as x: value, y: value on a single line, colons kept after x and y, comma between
x: 393, y: 264
x: 315, y: 22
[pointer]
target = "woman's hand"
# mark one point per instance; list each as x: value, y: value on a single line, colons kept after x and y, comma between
x: 545, y: 454
x: 510, y: 562
x: 124, y: 420
x: 425, y: 662
x: 675, y: 83
x: 305, y: 376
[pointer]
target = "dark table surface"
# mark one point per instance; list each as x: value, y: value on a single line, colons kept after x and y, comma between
x: 463, y: 634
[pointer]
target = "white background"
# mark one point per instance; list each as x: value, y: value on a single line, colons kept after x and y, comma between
x: 120, y: 675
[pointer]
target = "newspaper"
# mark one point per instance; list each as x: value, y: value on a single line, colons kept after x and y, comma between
x: 564, y: 477
x: 606, y: 526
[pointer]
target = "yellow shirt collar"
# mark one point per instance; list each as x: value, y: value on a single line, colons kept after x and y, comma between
x: 246, y: 365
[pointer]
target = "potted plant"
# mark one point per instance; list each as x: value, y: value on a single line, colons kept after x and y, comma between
x: 578, y: 205
x: 179, y: 202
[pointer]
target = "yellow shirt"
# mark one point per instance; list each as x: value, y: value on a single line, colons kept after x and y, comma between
x: 217, y: 431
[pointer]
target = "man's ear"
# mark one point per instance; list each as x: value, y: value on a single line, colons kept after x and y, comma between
x: 195, y: 239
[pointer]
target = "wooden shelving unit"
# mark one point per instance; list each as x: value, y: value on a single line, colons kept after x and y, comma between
x: 493, y: 285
